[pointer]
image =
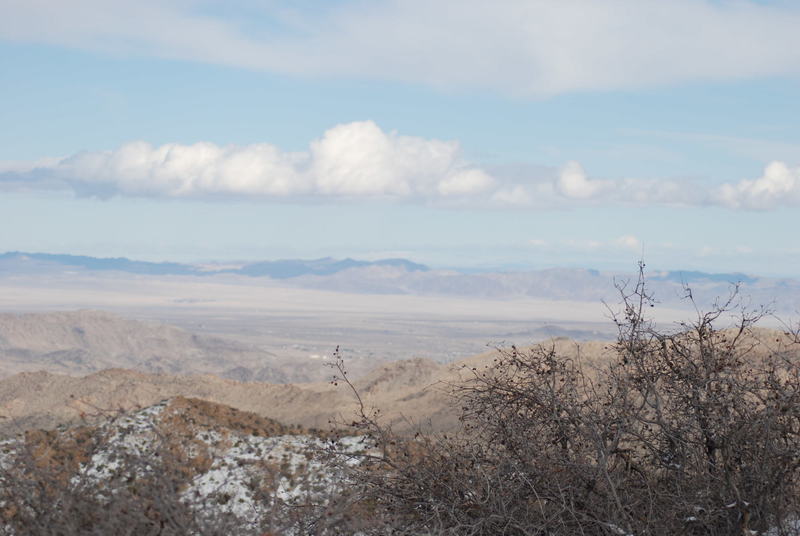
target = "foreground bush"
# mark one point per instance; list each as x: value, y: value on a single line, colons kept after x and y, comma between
x: 694, y: 432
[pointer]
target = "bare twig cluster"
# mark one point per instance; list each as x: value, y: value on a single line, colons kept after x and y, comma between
x: 692, y: 432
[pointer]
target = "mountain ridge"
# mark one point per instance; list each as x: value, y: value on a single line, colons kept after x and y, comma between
x: 276, y: 269
x: 409, y: 393
x: 397, y: 276
x: 87, y: 341
x: 290, y: 268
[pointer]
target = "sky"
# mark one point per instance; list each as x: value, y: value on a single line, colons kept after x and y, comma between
x: 459, y: 133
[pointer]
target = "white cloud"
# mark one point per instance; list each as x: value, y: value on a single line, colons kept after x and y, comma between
x: 176, y: 170
x: 26, y: 166
x: 573, y: 183
x: 779, y: 185
x: 465, y: 182
x: 515, y: 195
x: 524, y: 47
x: 360, y: 160
x: 629, y: 242
x: 350, y: 160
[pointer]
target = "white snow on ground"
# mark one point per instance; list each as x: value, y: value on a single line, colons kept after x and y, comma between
x: 298, y: 473
x: 6, y: 446
x: 132, y: 434
x: 792, y: 528
x: 291, y: 468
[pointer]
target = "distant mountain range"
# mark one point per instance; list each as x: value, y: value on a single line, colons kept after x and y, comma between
x: 689, y: 276
x: 284, y: 269
x: 402, y: 276
x: 287, y: 268
x: 279, y: 269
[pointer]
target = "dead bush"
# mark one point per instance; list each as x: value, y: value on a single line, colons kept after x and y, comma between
x: 695, y: 431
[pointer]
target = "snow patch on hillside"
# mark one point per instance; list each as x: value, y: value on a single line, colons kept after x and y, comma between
x: 234, y: 473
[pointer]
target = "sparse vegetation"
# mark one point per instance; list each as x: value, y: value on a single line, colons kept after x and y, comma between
x: 692, y: 432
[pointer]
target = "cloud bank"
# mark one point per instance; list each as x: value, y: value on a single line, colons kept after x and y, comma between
x: 778, y: 186
x: 350, y: 160
x: 521, y: 47
x: 359, y: 160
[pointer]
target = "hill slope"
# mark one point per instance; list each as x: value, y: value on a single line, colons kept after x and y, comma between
x: 185, y: 462
x: 408, y: 392
x: 83, y: 342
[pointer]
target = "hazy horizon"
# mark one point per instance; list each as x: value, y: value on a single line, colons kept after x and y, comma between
x: 484, y: 267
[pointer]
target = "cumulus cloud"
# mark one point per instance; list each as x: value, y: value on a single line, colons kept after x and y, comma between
x: 526, y: 47
x: 361, y: 160
x: 350, y: 160
x: 573, y: 183
x: 139, y: 168
x: 779, y: 185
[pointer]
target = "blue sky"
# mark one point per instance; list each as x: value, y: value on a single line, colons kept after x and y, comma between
x: 511, y: 133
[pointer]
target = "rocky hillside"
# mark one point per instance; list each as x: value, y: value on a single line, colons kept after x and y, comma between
x: 183, y: 461
x: 409, y: 393
x: 405, y: 390
x: 82, y: 342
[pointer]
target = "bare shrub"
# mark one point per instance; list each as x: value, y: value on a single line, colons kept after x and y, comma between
x: 692, y: 432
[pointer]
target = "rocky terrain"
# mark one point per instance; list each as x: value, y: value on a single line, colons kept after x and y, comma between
x: 82, y: 342
x: 238, y: 457
x: 409, y: 393
x: 407, y: 390
x: 187, y: 458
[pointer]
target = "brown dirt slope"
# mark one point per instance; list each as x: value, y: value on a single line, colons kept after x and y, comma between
x: 408, y: 393
x: 82, y: 342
